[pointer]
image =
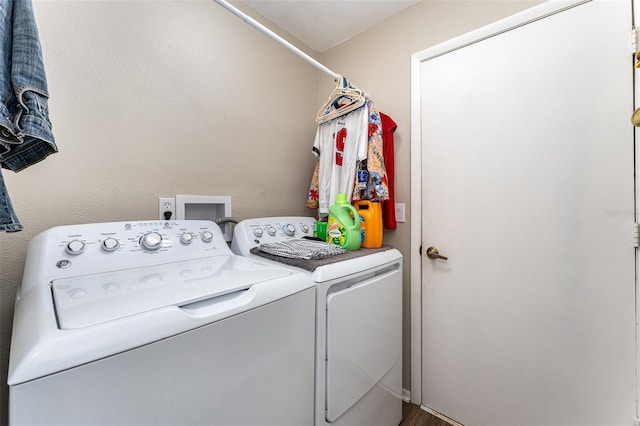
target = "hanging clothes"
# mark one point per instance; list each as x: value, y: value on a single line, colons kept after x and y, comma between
x: 8, y: 220
x: 389, y: 205
x: 314, y: 191
x: 338, y: 146
x: 375, y: 187
x: 26, y: 135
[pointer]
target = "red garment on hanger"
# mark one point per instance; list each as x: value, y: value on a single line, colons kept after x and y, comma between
x: 388, y: 206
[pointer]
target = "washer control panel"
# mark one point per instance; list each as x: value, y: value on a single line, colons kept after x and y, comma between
x: 251, y: 233
x: 117, y: 245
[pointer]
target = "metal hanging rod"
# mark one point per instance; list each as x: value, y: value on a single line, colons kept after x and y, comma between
x: 257, y: 25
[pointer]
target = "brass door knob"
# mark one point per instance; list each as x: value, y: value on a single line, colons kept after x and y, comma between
x: 432, y: 253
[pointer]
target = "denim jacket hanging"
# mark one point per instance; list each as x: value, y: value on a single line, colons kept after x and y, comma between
x: 25, y: 130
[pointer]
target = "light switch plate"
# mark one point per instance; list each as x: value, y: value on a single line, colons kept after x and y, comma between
x: 400, y: 212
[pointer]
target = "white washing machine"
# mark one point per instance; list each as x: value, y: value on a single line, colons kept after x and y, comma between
x: 358, y: 324
x: 140, y: 323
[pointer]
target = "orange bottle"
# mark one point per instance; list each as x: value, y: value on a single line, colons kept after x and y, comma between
x: 370, y: 214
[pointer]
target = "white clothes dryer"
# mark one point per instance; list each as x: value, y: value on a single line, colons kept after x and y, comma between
x: 358, y: 366
x: 158, y: 323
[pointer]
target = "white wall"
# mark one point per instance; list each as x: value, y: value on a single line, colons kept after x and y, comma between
x: 157, y: 98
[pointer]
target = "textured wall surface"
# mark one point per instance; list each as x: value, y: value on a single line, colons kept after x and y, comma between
x: 158, y: 98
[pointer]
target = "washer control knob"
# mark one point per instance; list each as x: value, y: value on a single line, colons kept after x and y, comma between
x: 289, y: 230
x: 271, y: 231
x: 305, y: 229
x: 151, y: 241
x: 186, y: 238
x: 75, y: 247
x: 258, y: 232
x: 110, y: 244
x: 207, y: 236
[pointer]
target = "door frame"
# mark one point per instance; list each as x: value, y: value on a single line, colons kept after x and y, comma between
x: 635, y: 16
x: 523, y: 18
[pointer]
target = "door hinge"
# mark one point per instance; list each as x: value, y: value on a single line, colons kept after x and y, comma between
x: 636, y: 232
x: 634, y: 41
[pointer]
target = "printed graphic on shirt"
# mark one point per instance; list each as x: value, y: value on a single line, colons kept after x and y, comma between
x: 340, y: 140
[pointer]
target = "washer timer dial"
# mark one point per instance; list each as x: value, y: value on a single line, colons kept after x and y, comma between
x: 151, y: 241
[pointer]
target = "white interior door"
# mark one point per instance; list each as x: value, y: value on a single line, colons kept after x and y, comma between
x: 528, y: 188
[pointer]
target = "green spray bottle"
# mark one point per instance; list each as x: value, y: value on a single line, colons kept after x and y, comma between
x: 343, y: 228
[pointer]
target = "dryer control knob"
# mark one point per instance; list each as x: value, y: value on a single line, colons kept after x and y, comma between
x: 151, y: 241
x: 271, y: 231
x: 258, y: 232
x: 305, y: 229
x: 75, y: 247
x: 207, y: 236
x: 110, y: 244
x: 289, y: 230
x: 186, y: 238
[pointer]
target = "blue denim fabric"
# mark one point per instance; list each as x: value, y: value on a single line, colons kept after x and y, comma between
x: 25, y: 130
x: 8, y: 220
x: 26, y: 136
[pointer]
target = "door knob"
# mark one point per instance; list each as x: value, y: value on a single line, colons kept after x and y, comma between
x: 432, y: 253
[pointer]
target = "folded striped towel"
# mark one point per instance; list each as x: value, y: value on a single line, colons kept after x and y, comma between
x: 302, y: 249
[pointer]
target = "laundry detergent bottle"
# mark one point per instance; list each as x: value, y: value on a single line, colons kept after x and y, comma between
x: 370, y: 223
x: 343, y: 227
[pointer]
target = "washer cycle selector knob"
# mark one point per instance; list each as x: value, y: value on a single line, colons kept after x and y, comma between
x: 207, y: 236
x: 75, y: 247
x: 289, y: 230
x: 304, y: 228
x: 271, y: 231
x: 258, y: 232
x: 151, y: 241
x: 110, y: 244
x: 186, y: 238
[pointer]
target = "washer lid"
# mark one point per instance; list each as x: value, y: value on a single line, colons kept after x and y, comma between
x: 87, y: 300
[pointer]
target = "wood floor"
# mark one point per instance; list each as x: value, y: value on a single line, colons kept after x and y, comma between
x: 412, y: 415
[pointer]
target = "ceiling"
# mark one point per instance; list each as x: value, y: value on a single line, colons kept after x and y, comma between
x: 323, y: 24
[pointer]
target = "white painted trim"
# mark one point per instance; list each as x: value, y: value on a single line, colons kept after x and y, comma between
x: 406, y: 395
x: 530, y: 15
x: 440, y: 416
x: 416, y: 235
x: 509, y: 23
x: 636, y: 138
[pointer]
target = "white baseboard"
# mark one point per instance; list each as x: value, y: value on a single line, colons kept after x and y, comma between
x: 406, y: 397
x: 440, y: 416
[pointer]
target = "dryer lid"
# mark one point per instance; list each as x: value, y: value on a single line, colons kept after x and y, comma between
x: 88, y: 300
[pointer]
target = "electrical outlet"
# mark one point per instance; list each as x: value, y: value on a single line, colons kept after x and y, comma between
x: 165, y: 206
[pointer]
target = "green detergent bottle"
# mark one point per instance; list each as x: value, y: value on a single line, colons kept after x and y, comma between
x: 343, y: 228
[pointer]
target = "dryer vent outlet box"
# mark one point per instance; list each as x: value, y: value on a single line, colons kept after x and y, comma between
x: 204, y: 207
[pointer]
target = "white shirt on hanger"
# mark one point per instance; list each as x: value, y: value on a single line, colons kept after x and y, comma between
x: 339, y: 144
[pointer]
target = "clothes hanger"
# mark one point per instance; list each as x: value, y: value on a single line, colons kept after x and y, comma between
x: 343, y: 99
